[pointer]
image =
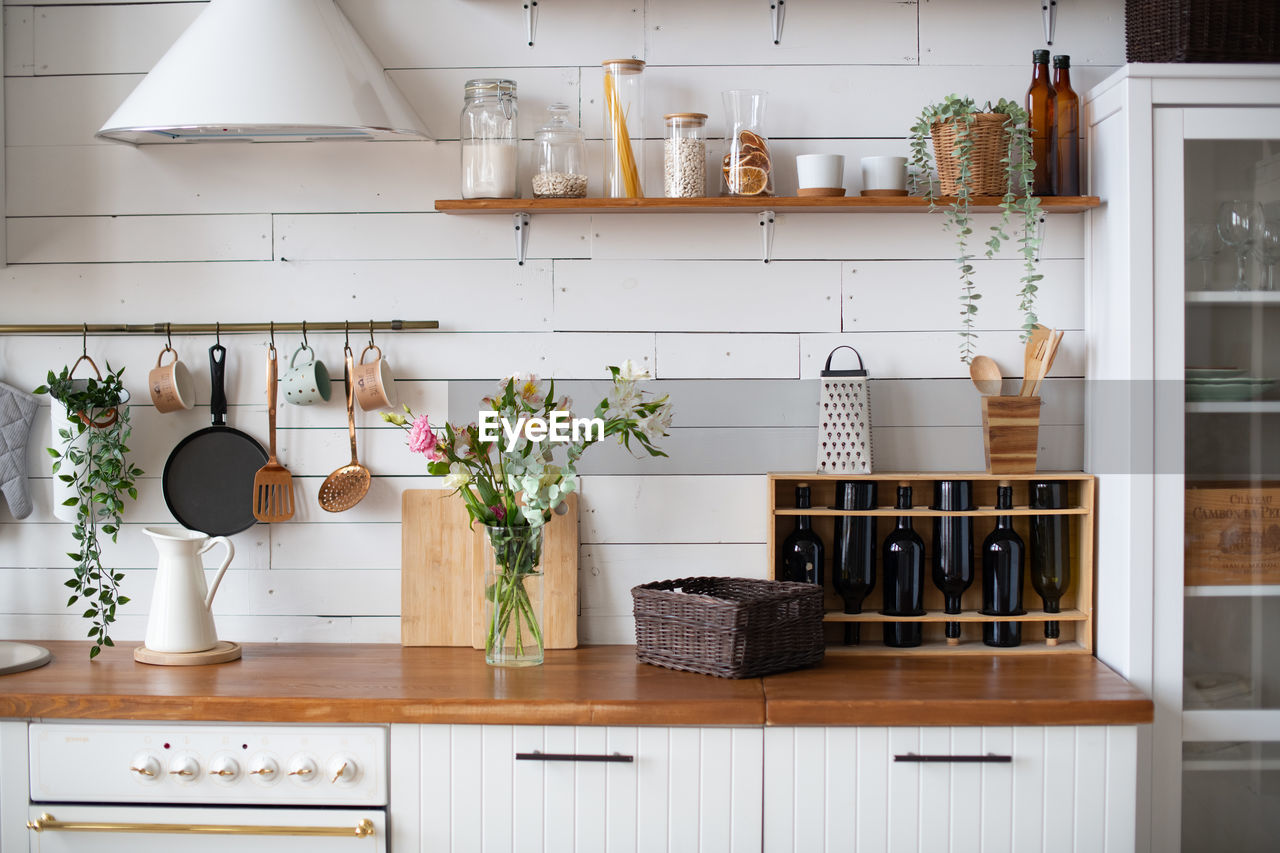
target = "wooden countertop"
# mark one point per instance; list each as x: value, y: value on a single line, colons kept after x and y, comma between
x: 593, y: 685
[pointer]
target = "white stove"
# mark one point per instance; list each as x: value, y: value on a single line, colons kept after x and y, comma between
x: 136, y: 787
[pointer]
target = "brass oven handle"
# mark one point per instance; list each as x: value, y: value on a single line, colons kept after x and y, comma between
x: 363, y: 829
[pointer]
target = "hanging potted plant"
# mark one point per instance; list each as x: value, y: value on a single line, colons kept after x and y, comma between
x: 980, y: 152
x: 92, y: 475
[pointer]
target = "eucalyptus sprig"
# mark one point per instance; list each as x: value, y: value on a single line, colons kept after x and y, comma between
x: 1017, y: 200
x: 100, y: 474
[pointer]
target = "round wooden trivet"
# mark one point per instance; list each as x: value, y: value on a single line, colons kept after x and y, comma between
x: 222, y: 653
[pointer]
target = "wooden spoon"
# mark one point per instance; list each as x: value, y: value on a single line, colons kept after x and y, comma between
x: 347, y: 486
x: 986, y: 376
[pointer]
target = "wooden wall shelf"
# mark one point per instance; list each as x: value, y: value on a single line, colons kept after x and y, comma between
x: 754, y: 204
x: 1075, y: 620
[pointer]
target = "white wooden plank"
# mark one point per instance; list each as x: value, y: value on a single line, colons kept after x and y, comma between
x: 529, y: 779
x: 1094, y: 33
x: 1059, y: 788
x: 966, y: 792
x: 107, y: 39
x: 606, y: 630
x: 46, y: 546
x: 436, y: 94
x: 62, y: 110
x: 905, y: 808
x: 97, y: 239
x: 747, y: 790
x: 498, y: 798
x: 684, y: 774
x: 809, y: 806
x: 1121, y: 789
x: 19, y: 43
x: 782, y: 788
x: 840, y: 790
x: 872, y: 810
x: 41, y: 591
x: 356, y: 592
x: 654, y: 758
x: 437, y: 791
x: 997, y: 792
x: 671, y: 509
x: 935, y: 791
x: 914, y: 355
x: 1029, y: 772
x: 821, y: 31
x: 875, y: 293
x: 559, y: 803
x: 716, y: 798
x: 777, y: 297
x: 467, y: 777
x: 395, y: 236
x: 606, y: 573
x: 590, y: 794
x: 404, y: 814
x: 622, y: 791
x: 710, y: 356
x: 1090, y: 788
x: 354, y: 545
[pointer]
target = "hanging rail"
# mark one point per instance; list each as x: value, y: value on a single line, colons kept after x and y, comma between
x: 211, y: 328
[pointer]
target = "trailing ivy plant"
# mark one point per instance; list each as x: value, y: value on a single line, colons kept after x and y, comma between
x: 1017, y: 205
x: 93, y: 461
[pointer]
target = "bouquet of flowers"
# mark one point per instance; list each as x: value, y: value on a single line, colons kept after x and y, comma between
x: 506, y: 469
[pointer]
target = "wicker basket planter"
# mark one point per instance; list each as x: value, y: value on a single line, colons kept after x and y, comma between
x: 729, y: 627
x: 1202, y: 30
x: 987, y: 176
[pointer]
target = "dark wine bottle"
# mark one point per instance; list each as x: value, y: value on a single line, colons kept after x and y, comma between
x: 853, y: 558
x: 802, y: 553
x: 1050, y: 551
x: 1039, y: 105
x: 953, y: 547
x: 903, y: 578
x: 1066, y: 130
x: 1003, y: 559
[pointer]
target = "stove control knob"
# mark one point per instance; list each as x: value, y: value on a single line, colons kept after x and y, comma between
x: 145, y: 767
x: 342, y: 770
x: 263, y: 769
x: 302, y: 769
x: 184, y: 768
x: 224, y: 768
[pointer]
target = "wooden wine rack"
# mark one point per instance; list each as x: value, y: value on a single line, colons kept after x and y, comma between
x: 1075, y: 618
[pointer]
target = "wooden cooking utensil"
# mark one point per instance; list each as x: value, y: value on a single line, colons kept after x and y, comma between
x: 273, y: 484
x: 986, y: 376
x: 1031, y: 359
x: 1046, y: 363
x: 347, y: 486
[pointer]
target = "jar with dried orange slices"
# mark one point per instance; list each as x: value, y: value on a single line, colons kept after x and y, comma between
x: 747, y: 167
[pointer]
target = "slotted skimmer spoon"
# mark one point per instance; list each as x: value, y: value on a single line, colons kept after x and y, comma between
x: 273, y: 484
x: 347, y: 486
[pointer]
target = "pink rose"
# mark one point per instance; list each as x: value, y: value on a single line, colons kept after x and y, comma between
x: 498, y: 512
x: 422, y: 439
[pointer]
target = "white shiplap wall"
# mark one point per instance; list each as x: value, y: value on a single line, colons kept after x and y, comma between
x: 99, y: 232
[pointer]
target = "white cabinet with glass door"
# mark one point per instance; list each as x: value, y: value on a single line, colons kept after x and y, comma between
x: 1188, y: 160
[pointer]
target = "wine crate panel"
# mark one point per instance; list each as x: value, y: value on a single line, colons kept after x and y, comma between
x: 1232, y: 533
x: 1075, y: 618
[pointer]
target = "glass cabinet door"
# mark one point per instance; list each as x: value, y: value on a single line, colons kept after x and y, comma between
x: 1229, y: 396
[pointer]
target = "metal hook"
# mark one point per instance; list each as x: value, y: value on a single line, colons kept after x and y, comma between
x: 84, y: 342
x: 217, y: 332
x: 272, y: 324
x: 168, y: 336
x: 371, y: 333
x: 346, y: 334
x: 304, y: 334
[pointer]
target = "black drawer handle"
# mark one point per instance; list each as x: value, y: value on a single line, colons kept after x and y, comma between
x: 989, y: 758
x: 616, y: 758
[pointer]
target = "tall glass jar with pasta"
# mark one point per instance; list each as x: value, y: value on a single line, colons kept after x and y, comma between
x: 624, y: 128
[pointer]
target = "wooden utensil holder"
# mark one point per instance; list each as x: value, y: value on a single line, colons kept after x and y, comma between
x: 1010, y: 434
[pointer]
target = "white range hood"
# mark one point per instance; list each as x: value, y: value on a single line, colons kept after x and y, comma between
x: 266, y: 71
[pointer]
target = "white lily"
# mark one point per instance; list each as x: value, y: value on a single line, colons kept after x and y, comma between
x: 457, y: 477
x: 631, y: 373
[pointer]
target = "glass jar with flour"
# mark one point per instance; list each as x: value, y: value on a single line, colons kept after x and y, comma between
x: 489, y: 139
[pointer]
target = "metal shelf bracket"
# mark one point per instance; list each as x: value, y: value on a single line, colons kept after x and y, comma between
x: 521, y: 223
x: 1042, y: 225
x: 778, y: 11
x: 766, y: 234
x: 1049, y: 11
x: 531, y: 19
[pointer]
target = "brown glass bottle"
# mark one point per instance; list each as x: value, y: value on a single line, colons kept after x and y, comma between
x: 1040, y: 98
x: 1065, y: 174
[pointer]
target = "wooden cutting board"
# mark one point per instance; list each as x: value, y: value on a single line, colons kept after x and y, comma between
x: 442, y: 562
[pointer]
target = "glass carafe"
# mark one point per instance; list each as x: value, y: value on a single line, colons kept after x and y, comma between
x: 747, y: 166
x: 489, y: 139
x: 562, y: 157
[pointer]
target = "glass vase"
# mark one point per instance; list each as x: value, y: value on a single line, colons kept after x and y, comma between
x: 513, y: 596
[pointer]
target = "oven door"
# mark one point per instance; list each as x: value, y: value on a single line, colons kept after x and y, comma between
x: 57, y: 828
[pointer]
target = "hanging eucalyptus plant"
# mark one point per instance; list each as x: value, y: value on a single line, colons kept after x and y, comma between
x: 1017, y: 205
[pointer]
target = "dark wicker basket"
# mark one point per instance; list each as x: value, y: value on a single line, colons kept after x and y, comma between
x: 730, y: 627
x: 1202, y: 30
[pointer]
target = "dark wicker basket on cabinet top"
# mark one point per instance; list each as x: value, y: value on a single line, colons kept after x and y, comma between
x: 1202, y: 30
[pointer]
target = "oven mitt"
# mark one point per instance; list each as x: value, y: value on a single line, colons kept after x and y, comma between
x: 17, y: 410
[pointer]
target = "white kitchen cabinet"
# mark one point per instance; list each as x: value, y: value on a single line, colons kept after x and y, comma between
x: 684, y: 789
x: 1063, y: 788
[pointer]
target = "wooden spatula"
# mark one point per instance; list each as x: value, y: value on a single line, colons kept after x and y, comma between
x: 273, y: 484
x: 1031, y: 358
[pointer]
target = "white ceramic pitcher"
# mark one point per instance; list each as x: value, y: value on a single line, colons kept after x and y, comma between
x: 181, y: 618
